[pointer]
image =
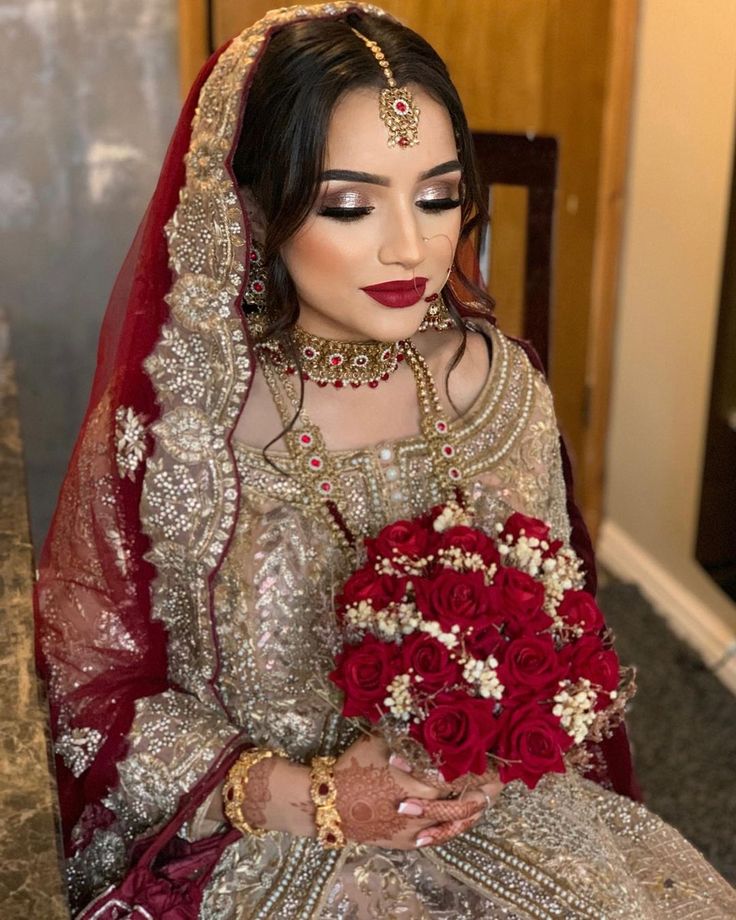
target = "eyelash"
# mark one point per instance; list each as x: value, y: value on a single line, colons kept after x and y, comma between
x: 349, y: 214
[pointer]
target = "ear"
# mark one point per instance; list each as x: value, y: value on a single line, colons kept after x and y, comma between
x: 255, y: 215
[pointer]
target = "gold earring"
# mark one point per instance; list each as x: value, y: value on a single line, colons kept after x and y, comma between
x: 255, y: 293
x: 437, y: 315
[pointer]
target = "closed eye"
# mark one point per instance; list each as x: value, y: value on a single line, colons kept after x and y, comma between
x: 346, y: 214
x: 439, y: 204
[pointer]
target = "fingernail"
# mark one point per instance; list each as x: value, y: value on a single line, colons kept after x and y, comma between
x: 409, y: 808
x: 396, y: 761
x: 423, y: 841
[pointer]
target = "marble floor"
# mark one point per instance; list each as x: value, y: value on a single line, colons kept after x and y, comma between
x: 30, y: 880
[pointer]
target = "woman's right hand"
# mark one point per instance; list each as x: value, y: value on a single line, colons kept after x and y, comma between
x: 371, y: 789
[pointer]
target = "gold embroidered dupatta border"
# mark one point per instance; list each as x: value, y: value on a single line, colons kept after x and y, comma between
x: 202, y: 365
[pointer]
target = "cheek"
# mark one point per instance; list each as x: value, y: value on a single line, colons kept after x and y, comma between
x: 321, y: 249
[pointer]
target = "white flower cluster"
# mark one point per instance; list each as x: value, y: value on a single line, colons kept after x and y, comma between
x: 397, y: 620
x: 452, y: 515
x: 453, y: 557
x: 402, y: 565
x: 558, y: 574
x: 574, y: 707
x: 485, y: 676
x: 399, y: 699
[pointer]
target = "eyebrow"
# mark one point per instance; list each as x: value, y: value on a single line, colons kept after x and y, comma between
x: 350, y: 175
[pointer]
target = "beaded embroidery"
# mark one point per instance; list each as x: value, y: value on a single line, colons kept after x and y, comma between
x: 316, y: 466
x: 327, y: 361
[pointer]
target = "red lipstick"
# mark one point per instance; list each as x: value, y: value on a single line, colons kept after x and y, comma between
x: 397, y: 294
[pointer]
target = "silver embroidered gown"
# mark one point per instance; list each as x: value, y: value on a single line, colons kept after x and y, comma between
x: 568, y: 849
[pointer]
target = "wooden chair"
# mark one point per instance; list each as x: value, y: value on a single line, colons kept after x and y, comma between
x: 517, y: 159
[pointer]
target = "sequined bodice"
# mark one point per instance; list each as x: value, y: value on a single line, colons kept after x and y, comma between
x: 274, y: 594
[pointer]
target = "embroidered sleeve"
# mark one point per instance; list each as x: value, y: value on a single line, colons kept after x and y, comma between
x: 173, y: 741
x: 523, y: 470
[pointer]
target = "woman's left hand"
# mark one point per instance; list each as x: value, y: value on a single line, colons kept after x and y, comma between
x: 472, y: 791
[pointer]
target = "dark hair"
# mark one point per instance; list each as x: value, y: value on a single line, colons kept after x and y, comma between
x: 307, y: 67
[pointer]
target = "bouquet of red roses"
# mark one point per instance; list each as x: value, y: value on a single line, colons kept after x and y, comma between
x: 475, y: 646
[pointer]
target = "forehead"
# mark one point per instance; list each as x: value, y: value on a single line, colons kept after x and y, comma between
x: 358, y: 139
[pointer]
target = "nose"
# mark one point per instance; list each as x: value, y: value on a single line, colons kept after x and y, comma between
x: 402, y: 241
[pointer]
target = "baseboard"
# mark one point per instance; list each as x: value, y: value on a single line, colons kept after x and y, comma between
x: 692, y: 620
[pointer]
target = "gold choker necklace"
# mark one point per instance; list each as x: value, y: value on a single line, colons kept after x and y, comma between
x: 327, y: 361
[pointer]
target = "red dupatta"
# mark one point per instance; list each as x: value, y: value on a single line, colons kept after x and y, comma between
x: 150, y: 498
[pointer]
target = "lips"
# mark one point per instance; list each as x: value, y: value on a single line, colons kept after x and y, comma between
x: 397, y: 293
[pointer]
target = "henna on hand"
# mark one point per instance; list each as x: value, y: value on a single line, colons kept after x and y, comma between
x: 258, y: 792
x: 366, y: 802
x: 442, y: 810
x: 435, y: 836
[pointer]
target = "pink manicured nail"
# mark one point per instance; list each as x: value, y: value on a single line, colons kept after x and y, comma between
x: 409, y: 808
x: 423, y: 841
x: 396, y: 761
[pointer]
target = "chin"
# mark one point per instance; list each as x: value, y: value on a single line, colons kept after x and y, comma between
x: 395, y: 324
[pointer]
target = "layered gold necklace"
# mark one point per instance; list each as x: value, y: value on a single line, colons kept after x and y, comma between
x: 315, y: 466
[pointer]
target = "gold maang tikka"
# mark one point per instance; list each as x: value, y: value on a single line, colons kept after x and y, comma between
x: 396, y: 103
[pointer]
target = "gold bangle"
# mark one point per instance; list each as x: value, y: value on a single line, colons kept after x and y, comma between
x: 234, y: 789
x: 324, y: 795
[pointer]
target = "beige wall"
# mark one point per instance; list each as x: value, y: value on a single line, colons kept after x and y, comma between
x: 674, y: 234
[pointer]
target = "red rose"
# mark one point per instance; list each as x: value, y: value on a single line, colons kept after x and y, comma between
x: 367, y: 585
x: 471, y: 540
x: 458, y: 733
x: 485, y: 641
x: 402, y: 538
x: 531, y: 667
x: 522, y: 599
x: 554, y: 547
x: 363, y: 672
x: 531, y: 743
x: 451, y: 597
x: 578, y: 608
x: 431, y: 661
x: 588, y: 658
x: 532, y: 527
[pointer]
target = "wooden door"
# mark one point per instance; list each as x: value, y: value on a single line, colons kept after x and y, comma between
x: 559, y: 67
x: 716, y: 540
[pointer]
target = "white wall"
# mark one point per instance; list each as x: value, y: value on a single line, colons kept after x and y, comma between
x: 674, y: 235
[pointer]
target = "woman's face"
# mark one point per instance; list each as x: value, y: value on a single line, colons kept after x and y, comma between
x: 382, y: 214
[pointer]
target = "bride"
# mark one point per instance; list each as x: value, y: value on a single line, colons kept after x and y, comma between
x: 293, y: 348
